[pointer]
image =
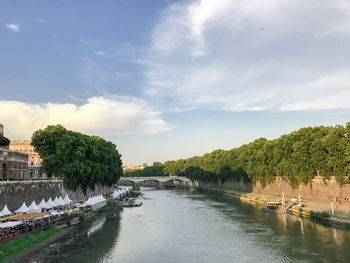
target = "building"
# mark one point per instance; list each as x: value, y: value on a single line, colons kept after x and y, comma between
x: 34, y: 160
x: 13, y: 164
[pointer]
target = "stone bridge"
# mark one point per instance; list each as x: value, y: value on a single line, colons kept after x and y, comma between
x: 159, y: 181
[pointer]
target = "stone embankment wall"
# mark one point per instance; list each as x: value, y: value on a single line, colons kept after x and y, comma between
x: 229, y: 185
x: 13, y: 193
x: 316, y: 191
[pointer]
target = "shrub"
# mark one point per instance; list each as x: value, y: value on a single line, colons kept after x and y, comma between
x: 82, y: 217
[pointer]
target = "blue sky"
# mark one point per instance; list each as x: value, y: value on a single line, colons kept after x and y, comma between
x: 169, y: 79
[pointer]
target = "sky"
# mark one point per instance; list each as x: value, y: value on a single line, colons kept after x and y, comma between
x: 166, y: 79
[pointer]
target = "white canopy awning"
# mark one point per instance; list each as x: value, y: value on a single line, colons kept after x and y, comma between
x: 62, y: 201
x: 5, y: 211
x: 34, y: 207
x: 23, y: 209
x: 51, y: 203
x: 68, y: 201
x: 95, y: 200
x: 44, y: 205
x: 10, y: 224
x: 56, y: 202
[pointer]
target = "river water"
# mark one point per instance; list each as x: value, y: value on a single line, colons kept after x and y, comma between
x: 183, y: 226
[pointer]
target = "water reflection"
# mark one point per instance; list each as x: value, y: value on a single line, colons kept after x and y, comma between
x: 97, y: 225
x: 87, y: 242
x: 183, y: 226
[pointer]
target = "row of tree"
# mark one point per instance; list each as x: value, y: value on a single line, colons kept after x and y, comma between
x: 81, y: 160
x: 297, y: 157
x: 157, y: 169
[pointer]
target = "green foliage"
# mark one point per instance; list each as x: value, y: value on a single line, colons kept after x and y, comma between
x: 81, y: 160
x: 157, y: 169
x: 15, y: 247
x: 319, y: 214
x: 82, y: 217
x: 4, y: 141
x: 296, y: 157
x: 110, y: 208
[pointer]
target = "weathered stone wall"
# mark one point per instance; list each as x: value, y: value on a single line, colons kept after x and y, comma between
x: 229, y: 185
x: 316, y: 191
x: 13, y: 193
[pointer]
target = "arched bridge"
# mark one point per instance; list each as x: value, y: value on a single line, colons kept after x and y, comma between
x: 159, y: 181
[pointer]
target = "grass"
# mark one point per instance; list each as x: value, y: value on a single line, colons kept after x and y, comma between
x: 112, y: 209
x: 320, y: 214
x: 134, y: 194
x: 315, y: 213
x: 15, y: 247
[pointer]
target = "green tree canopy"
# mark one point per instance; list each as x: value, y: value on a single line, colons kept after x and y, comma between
x: 4, y: 141
x: 297, y: 157
x: 81, y: 160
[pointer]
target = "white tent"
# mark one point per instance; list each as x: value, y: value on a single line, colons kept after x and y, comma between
x: 62, y: 201
x: 34, y: 207
x: 57, y: 202
x: 5, y: 211
x: 23, y: 209
x: 68, y: 201
x: 116, y: 194
x: 10, y: 224
x: 44, y: 205
x: 96, y: 202
x: 51, y: 203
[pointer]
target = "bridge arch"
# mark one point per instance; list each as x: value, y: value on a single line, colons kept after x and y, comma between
x: 156, y: 180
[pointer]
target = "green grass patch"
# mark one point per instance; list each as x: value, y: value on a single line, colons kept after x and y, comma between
x: 314, y: 213
x: 112, y: 209
x: 15, y: 247
x: 244, y: 195
x: 134, y: 194
x: 320, y: 214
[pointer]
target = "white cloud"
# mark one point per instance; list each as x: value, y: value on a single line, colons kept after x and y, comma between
x: 240, y: 55
x: 13, y: 27
x: 102, y: 116
x: 100, y: 53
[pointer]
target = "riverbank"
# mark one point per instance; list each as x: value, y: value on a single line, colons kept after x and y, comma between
x: 316, y: 210
x: 14, y: 250
x: 18, y: 249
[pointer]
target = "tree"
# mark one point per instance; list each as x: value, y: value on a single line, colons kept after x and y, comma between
x: 4, y: 141
x: 81, y: 160
x: 296, y: 157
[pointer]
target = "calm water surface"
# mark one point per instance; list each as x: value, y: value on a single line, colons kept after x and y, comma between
x: 182, y: 226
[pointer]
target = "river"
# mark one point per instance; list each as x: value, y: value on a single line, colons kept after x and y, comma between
x: 184, y: 226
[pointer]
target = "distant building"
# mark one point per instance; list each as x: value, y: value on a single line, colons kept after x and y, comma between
x: 139, y: 167
x: 34, y: 160
x: 13, y: 164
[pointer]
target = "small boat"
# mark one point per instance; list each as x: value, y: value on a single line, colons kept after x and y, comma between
x: 137, y: 204
x: 272, y: 205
